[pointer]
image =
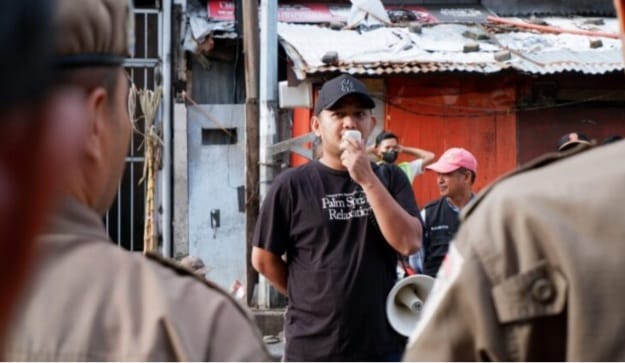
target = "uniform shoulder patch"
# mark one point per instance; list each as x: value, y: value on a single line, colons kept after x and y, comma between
x: 446, y: 276
x: 538, y: 162
x: 184, y: 271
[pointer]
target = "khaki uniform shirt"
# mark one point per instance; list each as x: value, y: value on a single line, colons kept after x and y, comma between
x: 537, y: 270
x: 90, y: 300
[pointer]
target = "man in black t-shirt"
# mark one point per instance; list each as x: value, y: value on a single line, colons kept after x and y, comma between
x: 341, y: 221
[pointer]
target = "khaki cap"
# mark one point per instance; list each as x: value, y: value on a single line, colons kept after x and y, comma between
x: 93, y: 32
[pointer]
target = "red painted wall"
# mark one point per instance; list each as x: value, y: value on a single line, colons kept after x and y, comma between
x: 553, y: 106
x: 539, y: 131
x: 436, y: 113
x: 495, y: 117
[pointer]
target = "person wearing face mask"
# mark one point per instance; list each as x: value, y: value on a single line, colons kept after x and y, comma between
x: 387, y: 149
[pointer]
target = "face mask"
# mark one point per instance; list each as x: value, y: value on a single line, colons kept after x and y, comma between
x: 389, y: 156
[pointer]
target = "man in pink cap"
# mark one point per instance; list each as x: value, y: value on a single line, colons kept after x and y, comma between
x: 456, y: 171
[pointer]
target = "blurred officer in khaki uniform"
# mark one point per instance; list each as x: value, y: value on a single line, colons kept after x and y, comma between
x: 536, y: 271
x: 34, y: 144
x: 87, y: 299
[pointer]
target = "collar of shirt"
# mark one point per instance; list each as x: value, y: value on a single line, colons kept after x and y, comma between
x: 453, y: 206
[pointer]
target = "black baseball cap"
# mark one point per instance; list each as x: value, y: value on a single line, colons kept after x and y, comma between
x: 572, y: 139
x: 336, y: 88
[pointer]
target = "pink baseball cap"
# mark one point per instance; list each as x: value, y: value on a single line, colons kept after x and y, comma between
x: 452, y: 160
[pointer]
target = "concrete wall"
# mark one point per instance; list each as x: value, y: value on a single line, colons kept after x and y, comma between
x: 181, y: 183
x: 216, y: 178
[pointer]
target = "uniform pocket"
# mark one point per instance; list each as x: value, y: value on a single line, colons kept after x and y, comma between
x: 538, y: 292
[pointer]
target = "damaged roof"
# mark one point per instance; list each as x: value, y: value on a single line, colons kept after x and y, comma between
x: 433, y: 38
x: 442, y: 47
x: 551, y: 8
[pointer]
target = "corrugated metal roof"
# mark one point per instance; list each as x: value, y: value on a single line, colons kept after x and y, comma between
x: 439, y: 48
x: 557, y: 8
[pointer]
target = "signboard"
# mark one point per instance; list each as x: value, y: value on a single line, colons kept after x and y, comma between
x: 313, y: 12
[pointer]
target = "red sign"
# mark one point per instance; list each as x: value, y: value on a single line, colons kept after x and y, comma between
x: 292, y: 13
x: 221, y: 10
x: 311, y: 12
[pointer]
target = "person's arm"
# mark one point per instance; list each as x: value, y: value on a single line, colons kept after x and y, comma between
x: 271, y: 234
x: 458, y: 322
x: 416, y: 259
x: 424, y: 239
x: 402, y: 230
x: 426, y: 155
x: 272, y: 267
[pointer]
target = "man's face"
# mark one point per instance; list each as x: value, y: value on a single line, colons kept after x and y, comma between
x: 348, y: 114
x: 454, y: 184
x: 390, y: 144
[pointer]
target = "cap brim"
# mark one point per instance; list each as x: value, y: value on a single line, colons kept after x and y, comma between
x: 442, y: 167
x: 572, y: 143
x: 365, y: 101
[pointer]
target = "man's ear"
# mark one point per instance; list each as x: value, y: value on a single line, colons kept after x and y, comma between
x: 372, y: 125
x: 97, y: 108
x: 469, y: 176
x: 314, y: 125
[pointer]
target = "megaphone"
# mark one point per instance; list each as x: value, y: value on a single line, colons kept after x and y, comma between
x: 405, y: 302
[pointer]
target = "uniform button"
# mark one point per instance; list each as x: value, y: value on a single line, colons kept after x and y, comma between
x: 543, y: 290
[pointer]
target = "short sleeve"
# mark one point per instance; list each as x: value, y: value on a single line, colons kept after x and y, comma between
x: 271, y: 232
x: 401, y: 190
x: 416, y: 168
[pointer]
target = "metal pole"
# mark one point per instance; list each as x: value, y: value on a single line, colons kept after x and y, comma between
x: 166, y: 196
x: 268, y: 98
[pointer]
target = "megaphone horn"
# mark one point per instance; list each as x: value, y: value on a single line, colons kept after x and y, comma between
x: 405, y: 302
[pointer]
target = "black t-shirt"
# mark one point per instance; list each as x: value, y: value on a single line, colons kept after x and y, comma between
x: 340, y: 268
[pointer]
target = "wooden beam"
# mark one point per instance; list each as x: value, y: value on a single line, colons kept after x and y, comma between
x: 249, y: 11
